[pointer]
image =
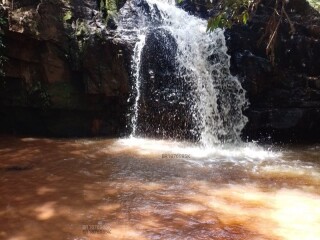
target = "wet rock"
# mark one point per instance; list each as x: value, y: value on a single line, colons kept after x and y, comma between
x: 199, y: 8
x: 164, y: 95
x: 135, y: 13
x: 283, y: 124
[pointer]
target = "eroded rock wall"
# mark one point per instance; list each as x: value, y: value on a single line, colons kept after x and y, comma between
x: 284, y: 96
x: 65, y: 76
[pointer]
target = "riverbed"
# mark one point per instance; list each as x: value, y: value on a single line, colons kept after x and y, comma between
x: 156, y: 189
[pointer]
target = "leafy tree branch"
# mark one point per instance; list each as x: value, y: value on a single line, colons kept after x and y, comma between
x: 241, y: 11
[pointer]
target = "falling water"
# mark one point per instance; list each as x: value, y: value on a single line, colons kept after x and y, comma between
x: 201, y: 62
x: 136, y: 73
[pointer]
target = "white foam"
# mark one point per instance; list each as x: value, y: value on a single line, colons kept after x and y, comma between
x: 248, y: 151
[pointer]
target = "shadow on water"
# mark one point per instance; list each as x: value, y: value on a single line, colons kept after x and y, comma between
x: 52, y: 189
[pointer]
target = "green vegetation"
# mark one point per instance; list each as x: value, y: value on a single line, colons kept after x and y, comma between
x: 82, y: 29
x: 232, y: 11
x: 67, y: 16
x: 240, y: 11
x: 315, y: 4
x: 109, y: 7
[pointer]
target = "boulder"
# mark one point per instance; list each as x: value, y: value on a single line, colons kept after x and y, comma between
x: 164, y: 98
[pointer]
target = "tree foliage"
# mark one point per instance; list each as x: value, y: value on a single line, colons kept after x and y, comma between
x: 240, y: 11
x: 231, y: 12
x: 315, y: 4
x: 110, y: 7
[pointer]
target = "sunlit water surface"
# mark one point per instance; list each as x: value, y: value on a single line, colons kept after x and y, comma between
x: 152, y: 189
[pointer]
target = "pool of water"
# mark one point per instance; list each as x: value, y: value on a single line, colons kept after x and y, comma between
x: 155, y: 189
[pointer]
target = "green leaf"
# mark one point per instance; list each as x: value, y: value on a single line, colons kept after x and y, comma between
x: 245, y: 17
x: 111, y: 5
x: 67, y: 16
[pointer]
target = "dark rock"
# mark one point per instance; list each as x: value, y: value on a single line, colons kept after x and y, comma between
x: 198, y: 8
x: 284, y: 98
x: 164, y: 99
x: 136, y: 13
x: 103, y: 67
x: 283, y: 124
x: 68, y: 79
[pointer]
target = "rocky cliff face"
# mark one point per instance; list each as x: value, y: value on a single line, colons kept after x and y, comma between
x: 284, y: 97
x: 64, y: 74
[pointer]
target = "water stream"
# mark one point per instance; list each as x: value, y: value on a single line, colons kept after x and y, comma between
x: 202, y: 79
x: 156, y: 189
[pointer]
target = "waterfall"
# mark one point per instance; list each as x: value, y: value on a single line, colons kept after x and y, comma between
x: 136, y: 60
x: 182, y: 82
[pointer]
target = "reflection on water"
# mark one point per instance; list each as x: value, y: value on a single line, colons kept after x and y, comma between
x: 148, y: 189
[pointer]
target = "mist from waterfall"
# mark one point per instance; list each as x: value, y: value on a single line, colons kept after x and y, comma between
x: 215, y: 99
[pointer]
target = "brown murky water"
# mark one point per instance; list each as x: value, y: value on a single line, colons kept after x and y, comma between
x: 147, y: 189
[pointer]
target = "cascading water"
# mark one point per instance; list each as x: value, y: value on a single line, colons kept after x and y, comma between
x: 197, y: 89
x: 136, y: 74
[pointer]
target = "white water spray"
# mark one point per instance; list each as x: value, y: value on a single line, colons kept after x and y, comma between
x: 202, y: 62
x: 136, y: 60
